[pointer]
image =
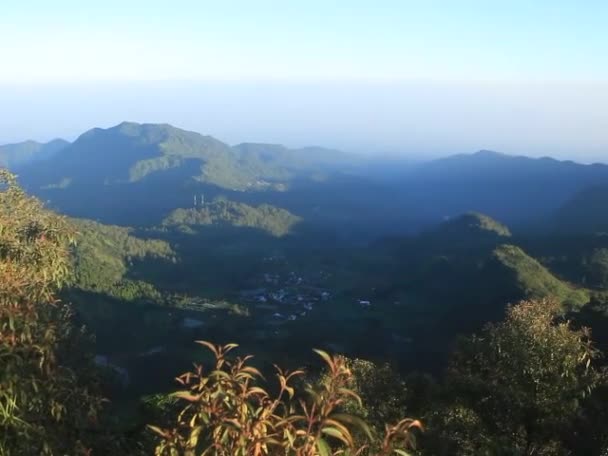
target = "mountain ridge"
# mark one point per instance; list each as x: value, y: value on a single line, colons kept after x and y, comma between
x: 102, y: 167
x: 22, y: 153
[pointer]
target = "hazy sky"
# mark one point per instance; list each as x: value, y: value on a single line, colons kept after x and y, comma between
x: 413, y: 77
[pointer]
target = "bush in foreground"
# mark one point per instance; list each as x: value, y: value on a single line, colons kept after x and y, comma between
x: 229, y: 413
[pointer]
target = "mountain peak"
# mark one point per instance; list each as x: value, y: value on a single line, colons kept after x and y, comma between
x: 489, y: 154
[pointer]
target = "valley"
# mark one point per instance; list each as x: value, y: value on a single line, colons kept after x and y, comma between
x: 179, y: 237
x: 258, y: 244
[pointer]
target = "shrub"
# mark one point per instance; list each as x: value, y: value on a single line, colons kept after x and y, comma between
x: 229, y: 413
x: 45, y: 408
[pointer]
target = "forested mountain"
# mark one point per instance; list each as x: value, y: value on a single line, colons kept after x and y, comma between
x: 161, y: 168
x: 586, y: 212
x: 14, y: 156
x: 461, y: 275
x: 518, y: 190
x: 130, y: 153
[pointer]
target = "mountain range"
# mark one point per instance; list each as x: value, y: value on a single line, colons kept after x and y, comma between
x: 14, y: 156
x: 139, y: 173
x: 517, y: 190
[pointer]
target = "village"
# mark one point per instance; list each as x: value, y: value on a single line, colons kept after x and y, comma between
x: 280, y: 298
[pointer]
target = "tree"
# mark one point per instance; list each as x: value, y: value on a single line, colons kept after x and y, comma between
x: 45, y: 407
x: 516, y: 389
x: 228, y: 413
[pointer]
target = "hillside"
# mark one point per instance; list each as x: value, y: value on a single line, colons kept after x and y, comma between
x: 107, y: 258
x: 16, y: 155
x: 585, y: 213
x: 518, y: 190
x: 531, y: 280
x: 138, y: 173
x: 130, y: 153
x: 221, y: 212
x: 466, y: 271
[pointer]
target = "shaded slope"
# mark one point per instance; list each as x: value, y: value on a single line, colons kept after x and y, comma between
x: 514, y: 189
x: 470, y: 229
x: 586, y: 212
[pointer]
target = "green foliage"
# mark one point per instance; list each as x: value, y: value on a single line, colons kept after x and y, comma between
x: 273, y: 220
x: 45, y: 407
x: 230, y: 414
x: 382, y: 391
x: 517, y: 388
x: 103, y: 255
x: 534, y: 281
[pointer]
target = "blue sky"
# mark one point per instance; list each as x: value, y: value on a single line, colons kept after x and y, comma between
x: 339, y: 59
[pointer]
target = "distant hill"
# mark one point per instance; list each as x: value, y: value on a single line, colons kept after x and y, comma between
x: 261, y: 156
x: 515, y: 189
x: 272, y: 220
x: 585, y: 213
x: 128, y: 153
x: 138, y: 173
x: 466, y: 235
x: 131, y: 153
x: 13, y: 156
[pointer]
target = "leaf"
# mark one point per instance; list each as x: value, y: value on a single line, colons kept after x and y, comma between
x: 219, y: 373
x: 290, y: 437
x: 257, y: 390
x: 355, y: 421
x: 352, y: 394
x: 336, y: 433
x: 209, y: 345
x: 252, y: 370
x: 186, y: 395
x: 157, y: 430
x: 193, y: 441
x: 325, y: 357
x: 402, y: 452
x: 322, y: 447
x: 229, y: 347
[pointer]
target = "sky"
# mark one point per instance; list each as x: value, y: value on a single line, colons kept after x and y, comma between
x: 419, y: 78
